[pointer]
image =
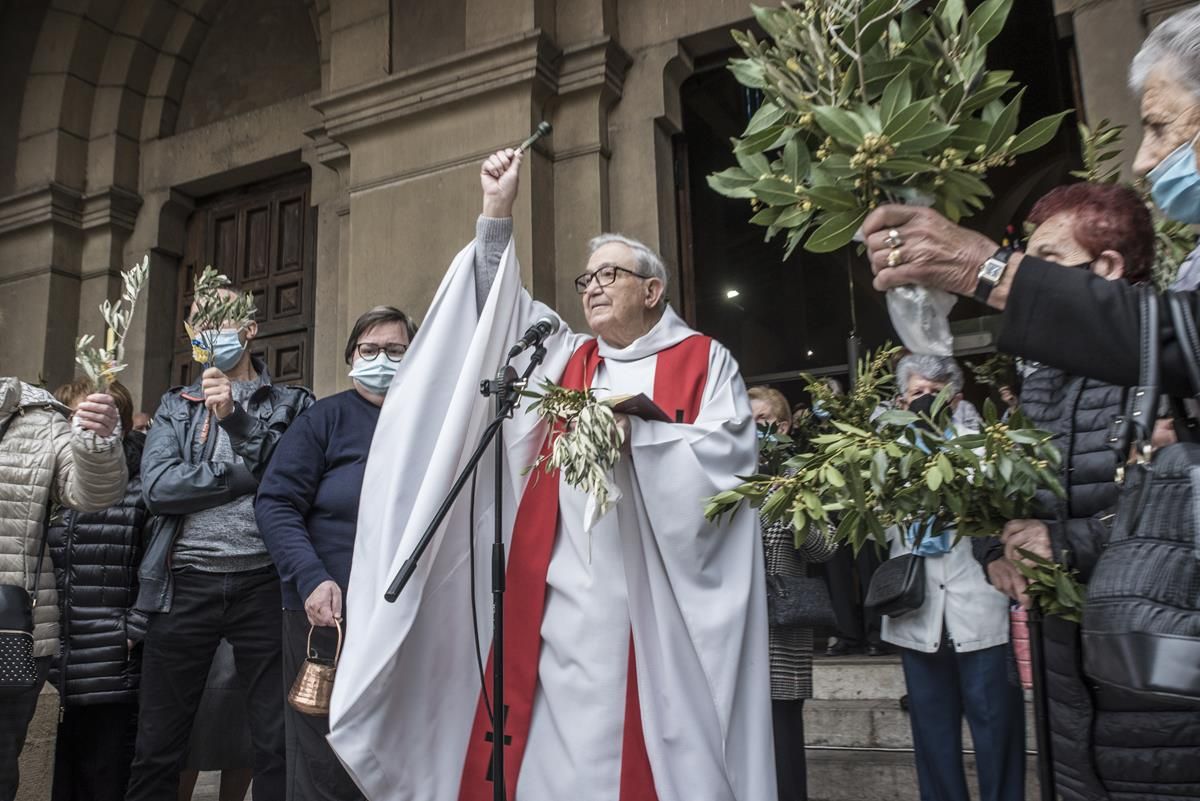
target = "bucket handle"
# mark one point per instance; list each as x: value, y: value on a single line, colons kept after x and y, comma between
x: 337, y: 657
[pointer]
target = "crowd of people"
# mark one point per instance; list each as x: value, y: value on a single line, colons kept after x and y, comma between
x: 198, y: 558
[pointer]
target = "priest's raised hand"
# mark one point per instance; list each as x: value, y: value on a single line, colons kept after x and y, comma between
x: 635, y: 649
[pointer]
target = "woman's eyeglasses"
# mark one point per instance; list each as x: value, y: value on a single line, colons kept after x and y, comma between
x: 605, y: 276
x: 370, y: 351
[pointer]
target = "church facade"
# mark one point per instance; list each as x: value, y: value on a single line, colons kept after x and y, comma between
x: 324, y: 153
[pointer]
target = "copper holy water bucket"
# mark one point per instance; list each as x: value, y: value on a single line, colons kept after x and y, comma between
x: 313, y: 687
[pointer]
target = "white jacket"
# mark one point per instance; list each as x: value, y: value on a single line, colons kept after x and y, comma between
x: 956, y: 593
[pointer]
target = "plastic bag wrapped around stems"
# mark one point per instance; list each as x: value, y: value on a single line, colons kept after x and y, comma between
x: 920, y: 315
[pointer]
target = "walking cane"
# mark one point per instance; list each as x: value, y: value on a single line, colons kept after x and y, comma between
x: 1041, y: 713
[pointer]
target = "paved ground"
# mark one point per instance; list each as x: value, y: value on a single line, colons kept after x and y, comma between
x: 208, y: 787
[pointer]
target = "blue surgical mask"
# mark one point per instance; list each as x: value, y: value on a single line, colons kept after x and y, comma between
x: 227, y: 350
x: 375, y: 374
x: 1175, y: 184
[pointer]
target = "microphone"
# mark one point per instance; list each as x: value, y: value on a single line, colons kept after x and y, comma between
x: 543, y: 129
x: 535, y: 335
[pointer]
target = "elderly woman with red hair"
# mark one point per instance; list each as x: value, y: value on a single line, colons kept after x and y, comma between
x: 1107, y: 229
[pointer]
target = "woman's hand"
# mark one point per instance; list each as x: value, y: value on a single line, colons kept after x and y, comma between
x: 324, y: 604
x: 98, y: 413
x: 499, y: 175
x: 915, y: 245
x: 1027, y: 535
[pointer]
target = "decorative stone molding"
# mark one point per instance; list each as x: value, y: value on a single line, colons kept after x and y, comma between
x: 601, y: 62
x: 522, y: 59
x: 114, y: 206
x: 52, y: 203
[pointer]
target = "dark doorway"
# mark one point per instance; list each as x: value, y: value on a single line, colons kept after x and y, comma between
x: 263, y: 237
x: 781, y: 318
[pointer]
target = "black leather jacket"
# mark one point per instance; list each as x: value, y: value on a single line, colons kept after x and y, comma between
x: 178, y: 477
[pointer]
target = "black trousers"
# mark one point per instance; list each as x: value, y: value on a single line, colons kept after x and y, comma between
x: 848, y: 577
x: 15, y: 713
x: 791, y: 772
x: 244, y: 608
x: 94, y: 752
x: 313, y: 772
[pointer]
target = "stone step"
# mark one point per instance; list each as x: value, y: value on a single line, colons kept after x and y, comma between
x: 858, y: 678
x: 839, y: 774
x: 871, y: 723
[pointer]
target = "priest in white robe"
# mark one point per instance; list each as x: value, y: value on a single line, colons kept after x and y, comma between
x: 636, y: 650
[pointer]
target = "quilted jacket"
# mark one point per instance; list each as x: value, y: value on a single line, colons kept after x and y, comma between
x: 96, y: 557
x: 43, y: 461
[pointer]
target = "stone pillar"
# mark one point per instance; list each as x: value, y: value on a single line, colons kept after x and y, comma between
x: 1107, y: 37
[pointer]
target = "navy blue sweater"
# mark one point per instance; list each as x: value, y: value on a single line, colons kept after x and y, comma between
x: 307, y: 505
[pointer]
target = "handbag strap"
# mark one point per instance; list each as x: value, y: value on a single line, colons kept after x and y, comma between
x: 1185, y: 333
x: 1137, y: 424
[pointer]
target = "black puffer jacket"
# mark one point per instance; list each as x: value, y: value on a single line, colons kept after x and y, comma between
x: 1105, y: 746
x: 96, y: 557
x: 1078, y: 411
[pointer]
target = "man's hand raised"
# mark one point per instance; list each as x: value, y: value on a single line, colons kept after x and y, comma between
x: 499, y: 177
x: 218, y: 393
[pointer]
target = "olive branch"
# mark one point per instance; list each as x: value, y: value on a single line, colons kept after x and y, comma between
x: 213, y: 310
x: 101, y: 365
x: 871, y: 471
x: 872, y: 101
x: 585, y: 442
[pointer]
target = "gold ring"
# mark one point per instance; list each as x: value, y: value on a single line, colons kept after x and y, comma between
x: 893, y: 258
x: 893, y: 239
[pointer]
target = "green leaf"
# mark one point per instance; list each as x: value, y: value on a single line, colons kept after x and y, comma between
x: 748, y: 73
x: 794, y: 217
x: 796, y: 159
x: 758, y: 142
x: 897, y: 95
x: 755, y: 164
x: 839, y: 124
x: 951, y: 11
x: 933, y: 479
x: 1038, y: 133
x: 988, y: 19
x: 932, y: 135
x: 768, y: 115
x: 907, y: 166
x: 837, y: 231
x: 908, y: 121
x: 1006, y: 123
x: 831, y: 198
x: 767, y: 216
x: 874, y: 20
x: 733, y: 182
x: 834, y: 476
x: 775, y: 192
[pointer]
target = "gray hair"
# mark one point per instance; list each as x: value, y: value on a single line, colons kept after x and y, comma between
x: 648, y: 262
x: 942, y: 369
x: 1176, y: 43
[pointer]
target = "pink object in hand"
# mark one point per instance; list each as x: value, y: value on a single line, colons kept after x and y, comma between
x: 1019, y: 634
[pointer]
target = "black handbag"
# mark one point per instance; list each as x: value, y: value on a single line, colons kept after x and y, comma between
x: 18, y: 670
x: 800, y: 601
x: 1141, y: 620
x: 898, y: 586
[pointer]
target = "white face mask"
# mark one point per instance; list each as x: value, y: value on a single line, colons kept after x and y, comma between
x: 375, y: 374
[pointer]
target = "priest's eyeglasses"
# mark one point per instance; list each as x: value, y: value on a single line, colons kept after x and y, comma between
x: 370, y: 351
x: 605, y: 276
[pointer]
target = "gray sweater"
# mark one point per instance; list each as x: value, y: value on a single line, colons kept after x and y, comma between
x: 491, y: 238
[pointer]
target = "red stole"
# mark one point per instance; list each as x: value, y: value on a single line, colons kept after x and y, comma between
x: 680, y: 376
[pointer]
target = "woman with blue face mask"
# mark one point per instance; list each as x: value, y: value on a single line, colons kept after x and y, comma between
x: 307, y: 511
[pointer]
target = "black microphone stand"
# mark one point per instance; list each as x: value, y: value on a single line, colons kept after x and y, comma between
x: 506, y: 388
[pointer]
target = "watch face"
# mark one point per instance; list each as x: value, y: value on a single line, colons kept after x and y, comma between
x: 992, y: 270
